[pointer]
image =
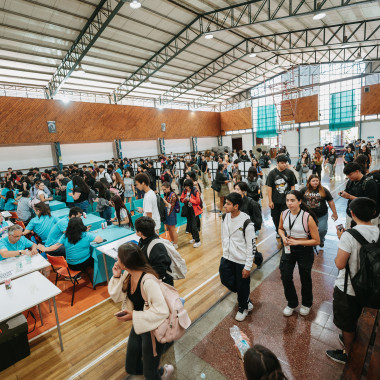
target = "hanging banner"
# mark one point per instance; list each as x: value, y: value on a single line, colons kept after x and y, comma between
x: 194, y: 144
x: 58, y: 155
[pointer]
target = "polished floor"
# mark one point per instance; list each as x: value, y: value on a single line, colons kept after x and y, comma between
x: 95, y: 342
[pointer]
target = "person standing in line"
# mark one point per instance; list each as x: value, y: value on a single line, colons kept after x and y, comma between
x: 331, y: 162
x: 171, y: 201
x: 80, y: 193
x: 222, y: 180
x: 346, y: 307
x: 150, y: 207
x: 204, y: 172
x: 103, y: 174
x: 279, y: 182
x: 129, y: 187
x: 316, y: 197
x: 126, y: 287
x: 317, y: 161
x: 299, y: 240
x: 302, y: 168
x: 239, y: 248
x: 367, y: 152
x: 348, y: 156
x: 192, y: 201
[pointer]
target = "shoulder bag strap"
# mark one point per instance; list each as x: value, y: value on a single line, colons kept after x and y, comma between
x: 357, y: 236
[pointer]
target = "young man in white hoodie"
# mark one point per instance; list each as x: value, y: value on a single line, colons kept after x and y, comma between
x: 239, y: 247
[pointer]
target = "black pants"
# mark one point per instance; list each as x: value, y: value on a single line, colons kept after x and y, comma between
x: 275, y: 212
x: 192, y: 224
x: 231, y: 277
x: 139, y: 359
x: 83, y: 266
x: 304, y: 257
x: 61, y: 251
x: 318, y: 170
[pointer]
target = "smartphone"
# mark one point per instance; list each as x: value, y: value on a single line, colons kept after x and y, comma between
x: 120, y: 314
x: 340, y: 227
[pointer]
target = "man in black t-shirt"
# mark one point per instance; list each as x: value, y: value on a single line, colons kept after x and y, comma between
x: 279, y: 182
x: 359, y: 186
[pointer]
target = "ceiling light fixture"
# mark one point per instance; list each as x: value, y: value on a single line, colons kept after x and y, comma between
x: 135, y: 4
x: 209, y: 35
x: 358, y: 58
x: 253, y: 54
x: 319, y: 16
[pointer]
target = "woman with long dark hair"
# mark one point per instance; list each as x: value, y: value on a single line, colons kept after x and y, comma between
x: 103, y: 205
x: 3, y: 193
x: 89, y: 179
x: 317, y: 197
x: 118, y: 186
x: 366, y: 151
x: 254, y: 184
x: 42, y: 223
x: 171, y: 200
x: 80, y: 193
x: 302, y: 167
x: 77, y: 242
x: 122, y: 217
x: 222, y: 179
x: 331, y: 162
x: 256, y: 165
x: 317, y: 161
x: 299, y: 232
x: 146, y: 315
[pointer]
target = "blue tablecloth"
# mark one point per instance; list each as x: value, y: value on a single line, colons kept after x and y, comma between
x: 61, y: 213
x: 94, y: 221
x: 110, y: 233
x: 56, y: 205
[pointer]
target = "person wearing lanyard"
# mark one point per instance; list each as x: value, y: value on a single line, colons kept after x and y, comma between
x: 299, y: 233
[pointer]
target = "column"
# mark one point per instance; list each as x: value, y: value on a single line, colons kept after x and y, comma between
x: 194, y: 144
x: 220, y: 140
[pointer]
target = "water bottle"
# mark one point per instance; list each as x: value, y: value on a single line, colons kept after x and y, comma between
x: 241, y: 343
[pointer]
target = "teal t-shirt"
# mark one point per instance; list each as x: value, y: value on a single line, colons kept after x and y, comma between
x: 9, y: 206
x: 2, y: 201
x: 69, y: 189
x: 57, y: 231
x: 23, y: 243
x: 79, y: 252
x: 42, y: 226
x: 120, y: 172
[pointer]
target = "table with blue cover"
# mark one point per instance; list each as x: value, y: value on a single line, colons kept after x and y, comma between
x: 91, y: 220
x: 61, y: 213
x: 56, y: 205
x: 110, y: 233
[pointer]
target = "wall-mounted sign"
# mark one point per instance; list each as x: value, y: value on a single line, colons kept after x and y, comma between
x: 51, y: 127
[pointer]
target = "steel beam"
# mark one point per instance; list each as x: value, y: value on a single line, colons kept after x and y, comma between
x: 305, y: 38
x: 101, y: 17
x: 235, y: 16
x: 299, y: 58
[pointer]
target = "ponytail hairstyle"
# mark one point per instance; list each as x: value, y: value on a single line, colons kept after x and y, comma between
x: 252, y: 174
x: 320, y: 188
x: 262, y: 364
x: 303, y: 205
x: 133, y: 258
x: 9, y: 195
x: 118, y: 203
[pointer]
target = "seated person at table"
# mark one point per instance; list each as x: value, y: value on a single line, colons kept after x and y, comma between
x: 42, y: 193
x: 15, y: 244
x: 77, y: 242
x: 24, y: 211
x: 3, y: 192
x: 42, y: 223
x: 158, y: 256
x: 10, y: 201
x: 122, y: 216
x: 3, y: 224
x: 59, y: 229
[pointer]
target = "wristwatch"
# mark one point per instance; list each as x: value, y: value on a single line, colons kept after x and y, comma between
x: 20, y: 253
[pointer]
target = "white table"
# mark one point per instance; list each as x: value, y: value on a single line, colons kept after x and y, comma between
x: 110, y: 249
x: 9, y: 266
x: 6, y: 214
x: 27, y: 292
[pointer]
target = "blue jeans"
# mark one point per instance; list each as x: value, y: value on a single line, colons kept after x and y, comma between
x: 323, y: 226
x: 106, y: 214
x: 83, y: 205
x: 302, y: 177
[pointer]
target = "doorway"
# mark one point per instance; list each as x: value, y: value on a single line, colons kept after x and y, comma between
x: 237, y: 143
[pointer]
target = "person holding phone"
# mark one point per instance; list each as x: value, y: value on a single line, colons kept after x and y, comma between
x: 299, y: 232
x: 145, y: 316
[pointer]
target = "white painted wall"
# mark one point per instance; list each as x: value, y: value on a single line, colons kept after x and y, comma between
x: 132, y: 149
x: 177, y: 146
x: 205, y: 143
x: 227, y: 141
x: 85, y: 152
x: 309, y: 138
x: 290, y: 140
x: 24, y: 157
x: 247, y: 141
x: 371, y: 128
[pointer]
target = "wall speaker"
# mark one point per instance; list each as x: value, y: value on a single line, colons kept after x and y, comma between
x: 163, y: 127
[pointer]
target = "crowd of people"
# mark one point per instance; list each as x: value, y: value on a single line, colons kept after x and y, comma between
x: 300, y: 217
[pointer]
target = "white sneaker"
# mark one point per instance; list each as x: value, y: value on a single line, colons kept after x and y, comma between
x: 241, y: 316
x: 191, y: 241
x: 168, y: 372
x: 304, y: 310
x: 196, y: 245
x: 250, y: 306
x: 288, y: 311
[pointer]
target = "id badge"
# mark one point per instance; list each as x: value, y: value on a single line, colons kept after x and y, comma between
x: 287, y: 249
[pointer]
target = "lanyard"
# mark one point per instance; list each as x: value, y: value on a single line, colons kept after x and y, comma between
x: 292, y: 224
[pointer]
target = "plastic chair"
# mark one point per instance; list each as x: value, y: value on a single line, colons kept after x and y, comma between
x: 136, y: 216
x: 13, y: 214
x: 20, y: 223
x: 128, y: 206
x: 137, y: 203
x: 61, y: 268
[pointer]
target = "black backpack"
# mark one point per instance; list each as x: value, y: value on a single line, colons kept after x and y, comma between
x: 258, y: 259
x: 253, y: 190
x: 366, y: 282
x: 161, y: 207
x: 376, y: 177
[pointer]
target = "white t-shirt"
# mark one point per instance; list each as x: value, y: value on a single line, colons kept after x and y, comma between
x: 41, y: 192
x: 349, y: 244
x: 150, y: 205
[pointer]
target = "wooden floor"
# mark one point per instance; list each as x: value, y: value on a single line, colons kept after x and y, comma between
x: 93, y: 333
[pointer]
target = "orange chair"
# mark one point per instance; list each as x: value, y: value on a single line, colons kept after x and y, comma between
x: 61, y: 269
x: 20, y: 223
x: 13, y: 214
